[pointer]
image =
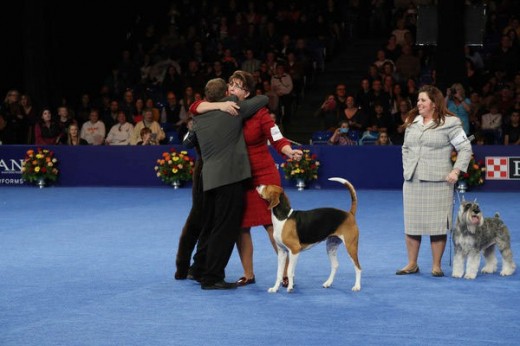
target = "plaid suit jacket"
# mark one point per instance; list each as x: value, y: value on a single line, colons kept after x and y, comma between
x: 427, y: 150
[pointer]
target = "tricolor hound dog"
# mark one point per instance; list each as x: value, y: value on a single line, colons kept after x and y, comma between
x: 295, y: 231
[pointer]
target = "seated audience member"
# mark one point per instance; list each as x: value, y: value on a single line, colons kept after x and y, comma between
x: 171, y: 111
x: 477, y: 109
x: 250, y: 63
x: 408, y: 65
x: 383, y: 139
x: 381, y: 60
x: 146, y: 136
x: 363, y: 95
x: 458, y: 103
x: 47, y: 131
x: 121, y: 133
x: 93, y: 131
x: 356, y: 117
x: 341, y: 136
x: 72, y: 136
x: 29, y: 116
x: 139, y: 107
x: 491, y: 125
x: 398, y: 119
x: 64, y: 121
x: 400, y: 31
x: 328, y: 113
x: 157, y: 132
x: 379, y: 121
x: 512, y: 131
x: 392, y: 48
x: 274, y: 100
x: 282, y: 85
x: 156, y: 112
x: 109, y: 116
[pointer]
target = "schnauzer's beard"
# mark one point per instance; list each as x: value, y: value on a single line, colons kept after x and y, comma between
x: 472, y: 218
x: 475, y: 219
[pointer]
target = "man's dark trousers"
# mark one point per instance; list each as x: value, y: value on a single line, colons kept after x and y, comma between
x: 223, y: 209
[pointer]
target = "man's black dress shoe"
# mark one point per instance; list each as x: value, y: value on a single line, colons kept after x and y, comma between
x: 407, y: 271
x: 192, y: 275
x: 181, y: 274
x: 219, y: 285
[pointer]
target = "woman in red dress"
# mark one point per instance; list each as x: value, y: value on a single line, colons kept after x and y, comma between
x: 258, y: 130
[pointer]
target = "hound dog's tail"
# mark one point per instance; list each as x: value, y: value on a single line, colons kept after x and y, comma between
x: 353, y: 196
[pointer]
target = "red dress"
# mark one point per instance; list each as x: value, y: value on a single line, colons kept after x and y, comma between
x: 257, y: 131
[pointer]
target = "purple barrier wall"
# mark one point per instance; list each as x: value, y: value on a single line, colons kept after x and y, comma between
x: 367, y: 167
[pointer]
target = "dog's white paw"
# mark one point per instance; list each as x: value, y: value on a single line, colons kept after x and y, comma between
x: 273, y: 289
x: 356, y: 288
x: 470, y: 276
x: 290, y: 289
x: 456, y: 275
x: 507, y: 271
x: 327, y: 284
x: 489, y: 269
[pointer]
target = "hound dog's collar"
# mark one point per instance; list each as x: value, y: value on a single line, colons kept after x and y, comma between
x: 290, y: 213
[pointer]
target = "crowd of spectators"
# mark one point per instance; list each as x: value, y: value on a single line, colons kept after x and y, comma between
x: 167, y: 61
x: 487, y: 99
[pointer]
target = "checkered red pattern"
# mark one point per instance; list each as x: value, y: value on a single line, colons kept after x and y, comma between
x: 497, y: 168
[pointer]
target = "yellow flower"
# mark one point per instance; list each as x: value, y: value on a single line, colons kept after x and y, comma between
x: 37, y: 169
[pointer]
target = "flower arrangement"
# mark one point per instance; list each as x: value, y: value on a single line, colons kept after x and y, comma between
x: 475, y: 173
x: 174, y: 167
x: 39, y: 166
x: 305, y: 169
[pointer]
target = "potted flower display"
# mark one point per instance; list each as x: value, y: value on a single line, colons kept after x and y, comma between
x: 174, y: 167
x: 473, y: 177
x: 40, y: 166
x: 303, y: 171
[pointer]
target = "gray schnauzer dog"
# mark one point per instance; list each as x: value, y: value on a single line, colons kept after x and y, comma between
x: 472, y: 234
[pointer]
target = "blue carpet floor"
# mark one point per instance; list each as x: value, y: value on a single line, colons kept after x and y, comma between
x: 94, y: 266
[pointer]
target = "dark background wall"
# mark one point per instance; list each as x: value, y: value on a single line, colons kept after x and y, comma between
x: 54, y: 49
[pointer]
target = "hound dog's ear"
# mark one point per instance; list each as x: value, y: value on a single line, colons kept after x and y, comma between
x: 272, y: 193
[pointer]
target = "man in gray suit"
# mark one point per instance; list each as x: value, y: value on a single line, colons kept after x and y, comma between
x: 226, y: 167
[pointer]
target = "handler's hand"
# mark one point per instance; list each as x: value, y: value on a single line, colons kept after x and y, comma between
x: 230, y: 107
x: 297, y: 155
x: 452, y: 177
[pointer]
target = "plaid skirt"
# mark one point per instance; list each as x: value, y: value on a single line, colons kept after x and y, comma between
x: 428, y: 207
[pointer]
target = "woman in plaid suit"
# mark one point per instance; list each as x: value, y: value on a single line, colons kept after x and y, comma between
x: 432, y: 133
